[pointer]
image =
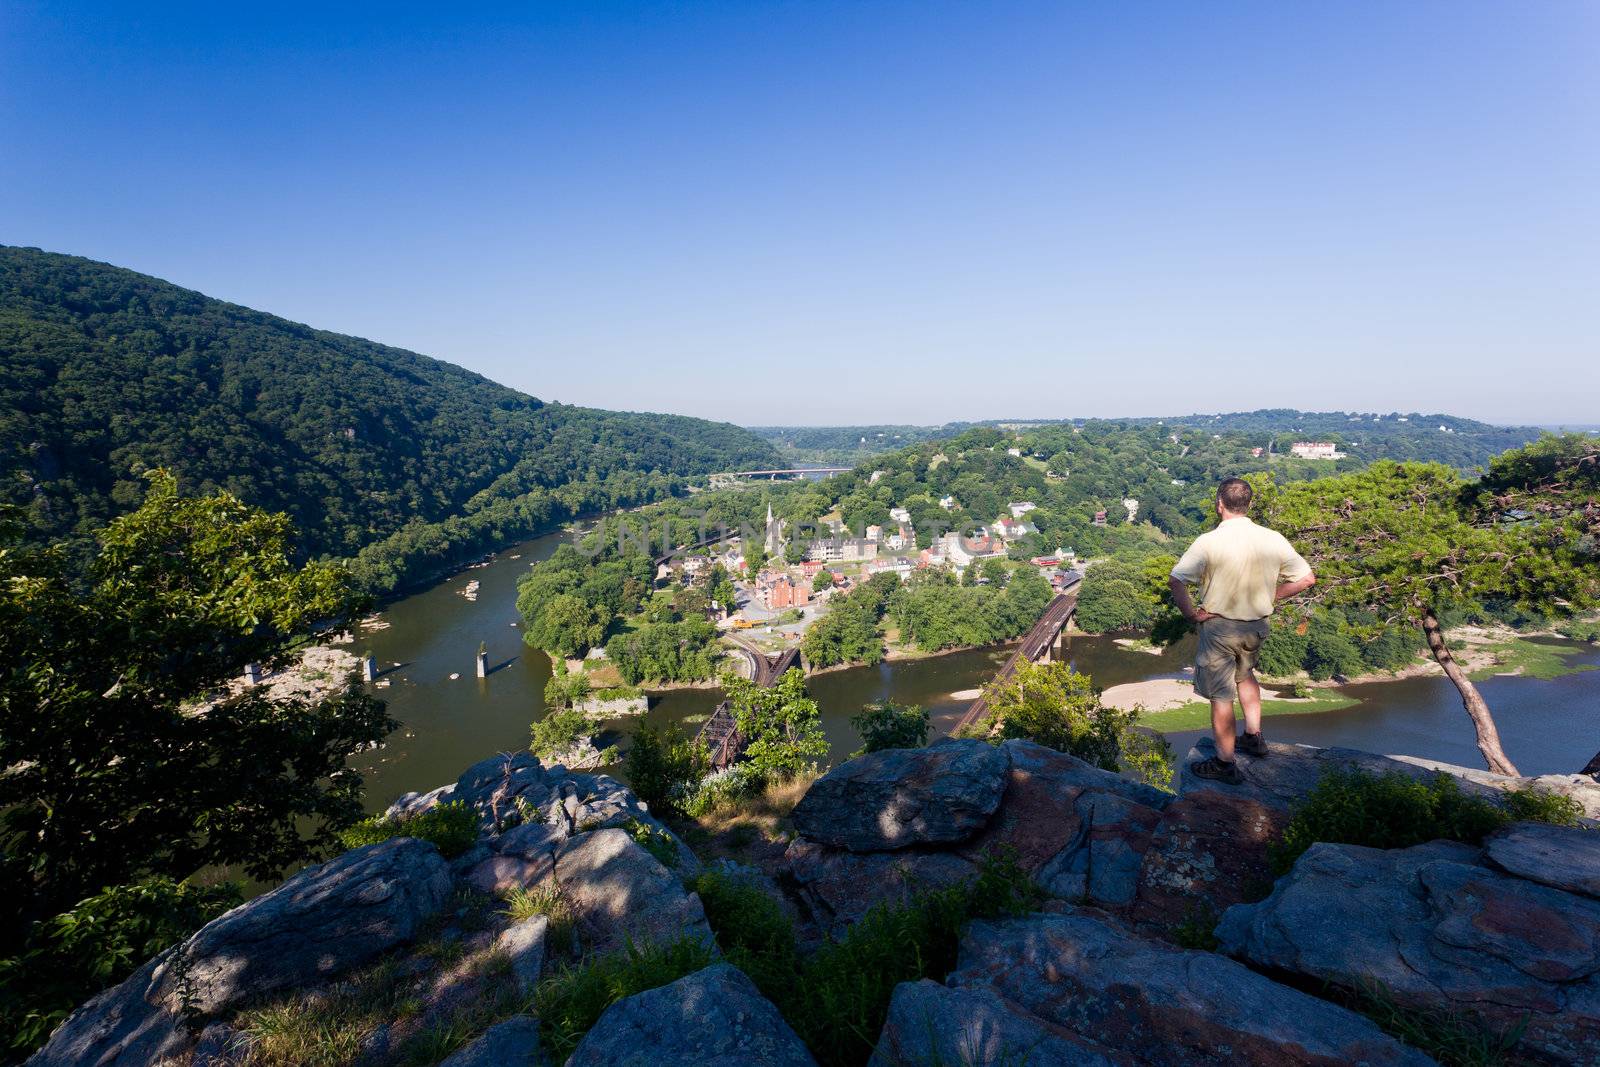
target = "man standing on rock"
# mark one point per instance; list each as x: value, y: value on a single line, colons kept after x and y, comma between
x: 1243, y: 570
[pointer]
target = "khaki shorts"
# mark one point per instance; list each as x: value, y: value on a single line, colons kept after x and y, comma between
x: 1226, y: 656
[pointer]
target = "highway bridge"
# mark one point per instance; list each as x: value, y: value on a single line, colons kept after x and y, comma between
x: 1038, y: 646
x: 724, y: 477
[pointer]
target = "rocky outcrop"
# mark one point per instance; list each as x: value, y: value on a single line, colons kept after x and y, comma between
x: 1557, y: 856
x: 319, y: 924
x: 515, y: 1041
x: 901, y: 797
x: 621, y: 893
x: 1208, y: 852
x: 1288, y: 775
x: 1433, y: 928
x: 1147, y: 1002
x: 931, y: 1023
x: 712, y: 1018
x: 836, y: 888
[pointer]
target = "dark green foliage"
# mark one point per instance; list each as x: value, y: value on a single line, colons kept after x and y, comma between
x: 851, y: 631
x: 569, y: 1002
x: 890, y: 725
x: 1397, y: 811
x: 935, y: 612
x: 781, y: 726
x: 451, y: 827
x: 112, y: 774
x: 415, y: 463
x: 663, y: 766
x: 837, y: 999
x: 557, y: 732
x: 666, y: 652
x: 98, y: 942
x: 1116, y: 595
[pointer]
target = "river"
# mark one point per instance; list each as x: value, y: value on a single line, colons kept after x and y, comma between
x: 1546, y: 726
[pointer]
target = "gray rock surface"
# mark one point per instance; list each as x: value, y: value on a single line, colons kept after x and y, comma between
x: 1559, y: 856
x: 523, y: 943
x: 714, y: 1018
x: 929, y: 1023
x: 322, y: 922
x: 619, y: 892
x: 836, y: 888
x: 497, y: 875
x: 1159, y: 1004
x: 513, y: 1043
x: 1209, y: 852
x: 1437, y: 931
x: 902, y: 797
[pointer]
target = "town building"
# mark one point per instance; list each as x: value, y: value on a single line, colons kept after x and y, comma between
x: 948, y: 503
x: 900, y: 514
x: 1315, y: 450
x: 1021, y: 508
x: 779, y: 592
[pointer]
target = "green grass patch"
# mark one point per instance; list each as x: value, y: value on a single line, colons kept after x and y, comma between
x: 1397, y: 811
x: 572, y: 1000
x: 523, y: 904
x: 1197, y: 714
x: 451, y: 827
x: 1532, y: 659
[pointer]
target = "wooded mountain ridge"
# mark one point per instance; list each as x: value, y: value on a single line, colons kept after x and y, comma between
x: 105, y: 373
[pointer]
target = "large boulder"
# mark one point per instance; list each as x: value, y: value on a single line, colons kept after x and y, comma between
x: 620, y: 893
x: 321, y: 923
x: 712, y: 1018
x: 1559, y: 856
x: 1436, y: 931
x: 1079, y: 830
x: 835, y: 888
x: 898, y: 798
x: 929, y: 1023
x: 1159, y: 1004
x: 1208, y: 852
x: 513, y: 1043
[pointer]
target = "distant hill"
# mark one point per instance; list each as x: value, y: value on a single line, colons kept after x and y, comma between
x: 105, y: 372
x: 1369, y: 436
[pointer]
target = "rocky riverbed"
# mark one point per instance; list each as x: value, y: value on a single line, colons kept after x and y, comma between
x: 1098, y: 974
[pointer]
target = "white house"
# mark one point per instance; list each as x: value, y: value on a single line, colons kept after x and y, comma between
x: 1021, y: 508
x: 900, y: 514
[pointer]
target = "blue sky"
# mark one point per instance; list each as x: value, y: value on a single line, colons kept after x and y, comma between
x: 856, y: 212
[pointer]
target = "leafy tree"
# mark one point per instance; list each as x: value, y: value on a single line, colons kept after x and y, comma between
x: 665, y: 652
x: 663, y: 765
x: 1114, y: 595
x: 115, y: 772
x: 1404, y: 542
x: 565, y: 689
x: 886, y: 724
x: 781, y: 725
x: 823, y: 580
x: 1055, y: 706
x: 557, y: 732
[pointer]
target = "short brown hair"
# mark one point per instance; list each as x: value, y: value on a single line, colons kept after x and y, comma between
x: 1235, y: 495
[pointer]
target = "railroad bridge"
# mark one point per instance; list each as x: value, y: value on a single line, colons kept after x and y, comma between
x: 1040, y: 645
x: 720, y: 734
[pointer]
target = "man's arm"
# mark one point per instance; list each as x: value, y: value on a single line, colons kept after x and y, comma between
x: 1294, y: 588
x: 1180, y: 597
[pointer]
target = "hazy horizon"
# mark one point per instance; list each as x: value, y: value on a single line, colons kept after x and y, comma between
x: 831, y: 214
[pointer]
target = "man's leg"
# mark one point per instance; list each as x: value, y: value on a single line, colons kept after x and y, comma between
x: 1250, y: 701
x: 1222, y: 724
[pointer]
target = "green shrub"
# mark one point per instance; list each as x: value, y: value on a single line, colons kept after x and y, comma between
x: 1580, y: 630
x: 1396, y: 810
x: 655, y: 841
x: 557, y: 732
x: 100, y: 941
x: 663, y: 767
x: 727, y: 786
x: 1455, y: 1039
x: 837, y: 999
x: 886, y: 724
x: 451, y: 827
x: 570, y: 1001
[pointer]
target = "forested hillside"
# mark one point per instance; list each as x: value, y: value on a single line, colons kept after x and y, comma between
x: 1366, y: 436
x: 105, y: 373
